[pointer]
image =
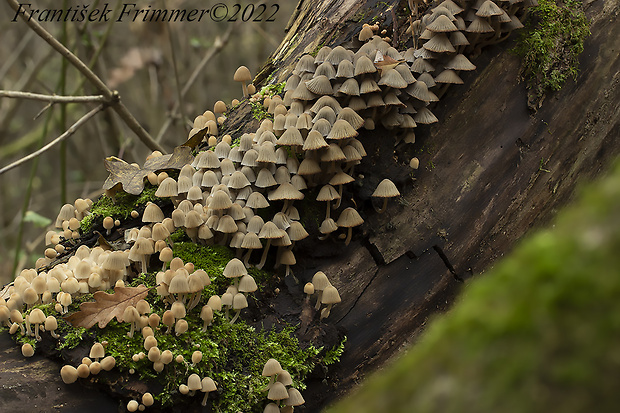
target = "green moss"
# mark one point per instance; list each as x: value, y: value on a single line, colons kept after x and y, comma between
x: 213, y: 260
x: 72, y: 337
x: 233, y: 356
x: 551, y: 44
x: 538, y: 333
x: 259, y: 112
x: 333, y: 355
x: 119, y: 208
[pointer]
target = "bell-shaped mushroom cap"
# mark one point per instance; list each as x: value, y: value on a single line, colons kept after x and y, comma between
x: 271, y: 408
x: 342, y: 178
x: 479, y: 25
x: 319, y: 85
x: 152, y: 213
x: 439, y: 43
x: 285, y: 378
x: 350, y: 87
x: 285, y: 191
x: 325, y: 69
x: 330, y: 295
x: 265, y: 179
x: 277, y: 391
x: 314, y: 141
x: 322, y: 125
x: 208, y: 385
x: 425, y: 116
x: 345, y: 69
x: 364, y: 65
x: 215, y: 302
x: 349, y: 218
x: 459, y: 62
x: 324, y: 51
x: 267, y: 152
x: 305, y: 65
x: 488, y: 9
x: 272, y: 366
x: 255, y: 224
x: 427, y: 78
x: 296, y: 231
x: 333, y: 153
x: 287, y: 257
x: 374, y: 100
x: 227, y: 225
x: 302, y: 92
x: 405, y: 72
x: 291, y: 137
x: 294, y: 398
x: 442, y: 24
x: 393, y: 79
x: 239, y: 301
x: 337, y: 55
x: 194, y: 382
x: 386, y: 189
x: 167, y: 187
x: 247, y: 283
x: 449, y: 76
x: 368, y: 86
x: 257, y: 200
x: 97, y: 351
x: 251, y: 241
x: 342, y: 130
x: 271, y: 231
x: 327, y: 193
x: 328, y: 226
x: 349, y: 115
x: 308, y: 167
x: 242, y: 74
x: 235, y: 268
x: 326, y: 113
x: 220, y: 201
x: 179, y: 284
x: 238, y: 180
x: 320, y: 281
x: 326, y: 101
x: 193, y: 219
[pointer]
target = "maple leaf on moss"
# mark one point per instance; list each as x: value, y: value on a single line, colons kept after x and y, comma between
x: 107, y: 306
x: 131, y: 177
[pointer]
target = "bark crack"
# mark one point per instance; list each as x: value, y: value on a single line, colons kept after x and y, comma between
x: 446, y: 261
x: 359, y: 296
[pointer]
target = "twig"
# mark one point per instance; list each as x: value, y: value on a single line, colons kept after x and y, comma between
x: 51, y: 98
x: 112, y: 97
x: 72, y: 129
x: 177, y: 83
x: 217, y: 47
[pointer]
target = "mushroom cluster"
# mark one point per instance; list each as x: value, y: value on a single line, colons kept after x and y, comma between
x: 283, y: 397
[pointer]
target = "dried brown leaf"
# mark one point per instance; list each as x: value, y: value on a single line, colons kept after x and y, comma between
x: 131, y: 177
x: 107, y: 306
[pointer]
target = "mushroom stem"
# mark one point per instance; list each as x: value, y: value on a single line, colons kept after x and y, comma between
x: 36, y: 332
x: 319, y: 295
x: 143, y: 263
x: 286, y: 205
x: 328, y: 209
x: 53, y: 333
x: 28, y: 330
x: 204, y: 400
x: 263, y: 257
x: 246, y: 258
x: 383, y: 208
x: 245, y: 89
x: 227, y: 312
x: 326, y: 312
x: 235, y: 317
x: 337, y: 204
x: 349, y: 235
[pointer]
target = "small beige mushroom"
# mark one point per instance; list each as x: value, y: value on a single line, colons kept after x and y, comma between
x: 242, y: 74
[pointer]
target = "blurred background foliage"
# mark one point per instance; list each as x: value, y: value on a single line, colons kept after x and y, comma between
x: 146, y: 62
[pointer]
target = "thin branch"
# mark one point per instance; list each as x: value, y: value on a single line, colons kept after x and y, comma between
x: 112, y: 96
x: 72, y: 129
x: 217, y: 47
x: 52, y: 98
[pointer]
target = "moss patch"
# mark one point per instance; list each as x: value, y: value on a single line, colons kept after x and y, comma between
x: 118, y: 208
x: 551, y: 44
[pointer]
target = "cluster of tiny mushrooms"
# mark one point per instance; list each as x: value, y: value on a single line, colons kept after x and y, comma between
x: 311, y: 142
